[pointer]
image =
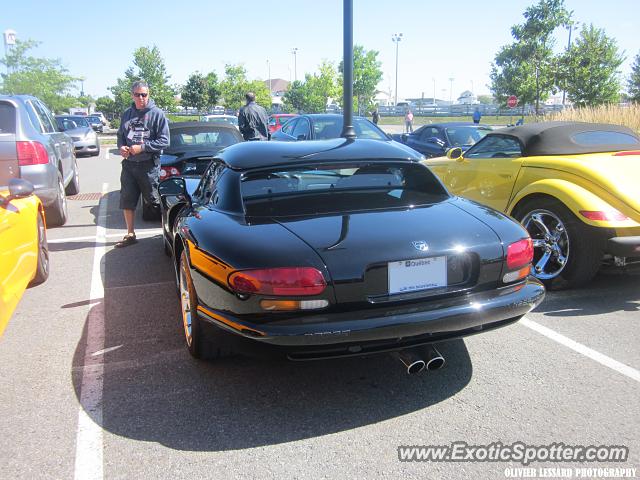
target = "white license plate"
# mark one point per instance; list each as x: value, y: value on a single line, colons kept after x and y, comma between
x: 419, y: 274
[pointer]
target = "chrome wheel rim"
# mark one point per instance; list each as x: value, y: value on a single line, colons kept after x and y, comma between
x: 63, y: 197
x: 185, y: 303
x: 551, y: 245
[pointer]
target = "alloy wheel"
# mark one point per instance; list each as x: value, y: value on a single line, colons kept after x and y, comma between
x: 551, y: 244
x: 185, y: 304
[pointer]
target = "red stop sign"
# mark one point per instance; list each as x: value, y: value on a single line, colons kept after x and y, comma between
x: 512, y: 101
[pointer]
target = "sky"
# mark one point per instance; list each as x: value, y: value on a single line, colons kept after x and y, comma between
x: 441, y: 39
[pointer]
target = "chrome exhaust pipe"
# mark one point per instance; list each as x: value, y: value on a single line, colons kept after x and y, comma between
x: 434, y: 359
x: 411, y: 360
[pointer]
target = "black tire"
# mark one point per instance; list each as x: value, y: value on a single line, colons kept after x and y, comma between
x: 74, y: 185
x: 42, y: 269
x: 569, y: 253
x: 57, y: 212
x: 203, y: 341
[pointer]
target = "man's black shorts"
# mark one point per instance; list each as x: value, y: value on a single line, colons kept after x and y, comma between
x: 139, y: 178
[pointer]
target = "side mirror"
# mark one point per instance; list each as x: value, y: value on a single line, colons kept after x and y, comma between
x: 173, y: 191
x: 454, y: 153
x: 404, y: 137
x: 18, y: 188
x: 173, y: 186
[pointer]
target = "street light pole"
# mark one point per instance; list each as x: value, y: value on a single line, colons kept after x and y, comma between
x: 564, y: 91
x: 269, y: 68
x: 295, y: 63
x: 434, y: 90
x: 396, y: 37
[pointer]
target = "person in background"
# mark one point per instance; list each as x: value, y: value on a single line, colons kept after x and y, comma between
x: 143, y: 134
x: 253, y: 120
x: 477, y: 115
x: 408, y: 121
x: 375, y: 116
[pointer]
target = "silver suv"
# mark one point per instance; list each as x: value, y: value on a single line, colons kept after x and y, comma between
x: 29, y: 138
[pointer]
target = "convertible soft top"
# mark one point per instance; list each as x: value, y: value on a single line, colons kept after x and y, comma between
x: 569, y: 138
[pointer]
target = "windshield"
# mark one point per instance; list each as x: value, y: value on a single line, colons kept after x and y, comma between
x: 466, y: 135
x: 199, y: 138
x: 94, y: 119
x: 326, y: 128
x: 225, y: 120
x: 79, y: 121
x: 339, y: 187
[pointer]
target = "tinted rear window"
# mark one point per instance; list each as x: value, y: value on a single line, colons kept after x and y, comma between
x: 341, y: 187
x: 7, y: 118
x: 598, y: 137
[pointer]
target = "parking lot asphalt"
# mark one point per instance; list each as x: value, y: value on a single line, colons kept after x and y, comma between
x: 98, y: 384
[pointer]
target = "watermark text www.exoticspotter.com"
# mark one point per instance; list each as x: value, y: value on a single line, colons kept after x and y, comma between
x: 518, y: 452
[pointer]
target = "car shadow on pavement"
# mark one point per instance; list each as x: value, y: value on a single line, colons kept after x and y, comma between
x: 154, y: 391
x: 606, y: 293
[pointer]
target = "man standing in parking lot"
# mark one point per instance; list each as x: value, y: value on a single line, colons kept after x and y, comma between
x: 253, y: 120
x: 143, y: 134
x: 408, y: 121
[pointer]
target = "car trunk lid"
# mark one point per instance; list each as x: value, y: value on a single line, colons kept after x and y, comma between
x: 402, y: 254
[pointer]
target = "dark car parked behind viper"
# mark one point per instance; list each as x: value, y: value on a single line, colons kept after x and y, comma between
x: 193, y: 145
x: 323, y: 126
x: 44, y: 155
x: 336, y: 248
x: 434, y: 140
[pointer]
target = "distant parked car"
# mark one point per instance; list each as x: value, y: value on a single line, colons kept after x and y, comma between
x: 101, y: 116
x: 193, y: 145
x: 433, y: 140
x: 221, y: 119
x: 44, y: 155
x: 277, y: 120
x: 85, y: 140
x: 323, y: 126
x: 95, y: 123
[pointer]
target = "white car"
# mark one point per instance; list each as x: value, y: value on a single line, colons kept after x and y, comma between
x: 226, y: 119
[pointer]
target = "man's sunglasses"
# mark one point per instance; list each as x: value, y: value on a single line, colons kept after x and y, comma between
x: 143, y: 95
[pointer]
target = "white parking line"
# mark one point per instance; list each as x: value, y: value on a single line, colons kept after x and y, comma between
x: 107, y: 154
x: 609, y: 362
x: 89, y: 447
x: 139, y: 233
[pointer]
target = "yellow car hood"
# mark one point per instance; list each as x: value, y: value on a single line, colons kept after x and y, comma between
x: 617, y: 174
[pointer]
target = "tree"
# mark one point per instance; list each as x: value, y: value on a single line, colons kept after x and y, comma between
x: 592, y: 66
x: 312, y: 95
x: 235, y: 85
x: 213, y: 89
x: 634, y: 81
x: 148, y: 66
x: 194, y: 93
x: 44, y: 78
x: 107, y: 106
x: 367, y: 74
x: 294, y: 98
x: 527, y: 68
x: 485, y: 99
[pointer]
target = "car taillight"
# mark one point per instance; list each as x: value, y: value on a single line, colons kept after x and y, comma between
x: 519, y: 253
x: 31, y: 153
x: 166, y: 172
x: 279, y: 281
x: 608, y: 216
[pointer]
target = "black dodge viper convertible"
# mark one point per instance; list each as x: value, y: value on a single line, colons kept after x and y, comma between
x: 335, y: 248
